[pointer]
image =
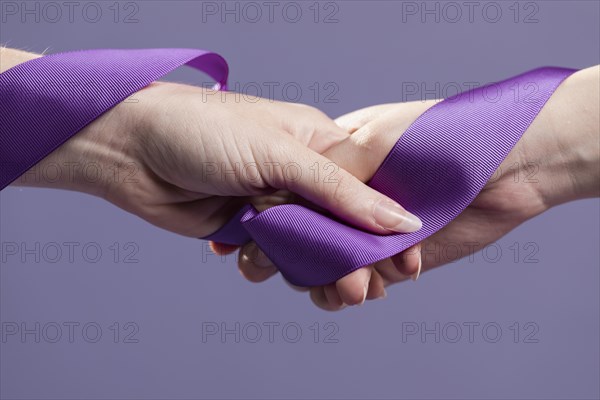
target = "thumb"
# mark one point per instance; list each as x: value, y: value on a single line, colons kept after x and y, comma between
x: 355, y: 120
x: 323, y: 182
x: 378, y: 128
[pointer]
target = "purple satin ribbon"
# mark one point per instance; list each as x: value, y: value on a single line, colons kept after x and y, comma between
x: 435, y: 170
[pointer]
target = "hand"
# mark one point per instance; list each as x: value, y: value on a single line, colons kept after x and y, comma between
x: 193, y: 157
x: 558, y: 149
x: 374, y: 131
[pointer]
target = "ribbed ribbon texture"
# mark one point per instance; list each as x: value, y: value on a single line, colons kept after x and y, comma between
x: 435, y: 170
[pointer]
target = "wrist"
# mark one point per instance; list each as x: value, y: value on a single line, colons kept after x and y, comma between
x: 93, y: 161
x: 556, y: 160
x: 12, y: 57
x: 562, y: 141
x: 88, y: 161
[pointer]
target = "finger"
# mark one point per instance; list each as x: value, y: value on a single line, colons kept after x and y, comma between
x: 341, y: 193
x: 376, y: 287
x: 326, y: 134
x: 222, y: 249
x: 353, y: 287
x: 364, y: 151
x: 311, y: 127
x: 409, y: 262
x: 355, y: 120
x: 279, y: 197
x: 319, y: 298
x: 254, y: 265
x: 333, y: 297
x: 389, y: 273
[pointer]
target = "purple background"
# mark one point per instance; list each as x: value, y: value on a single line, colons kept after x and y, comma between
x: 176, y: 287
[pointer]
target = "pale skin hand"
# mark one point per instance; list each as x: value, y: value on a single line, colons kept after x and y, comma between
x: 561, y: 147
x: 182, y: 142
x: 164, y: 194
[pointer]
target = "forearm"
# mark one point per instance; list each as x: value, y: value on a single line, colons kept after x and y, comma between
x: 89, y: 161
x: 562, y: 143
x: 11, y: 57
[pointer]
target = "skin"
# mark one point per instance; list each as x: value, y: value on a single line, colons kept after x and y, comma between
x: 197, y: 156
x: 561, y: 146
x: 163, y: 136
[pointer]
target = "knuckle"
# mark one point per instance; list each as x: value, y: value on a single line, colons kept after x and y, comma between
x: 368, y: 139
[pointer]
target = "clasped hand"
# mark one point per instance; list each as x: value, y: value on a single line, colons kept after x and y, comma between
x: 200, y: 155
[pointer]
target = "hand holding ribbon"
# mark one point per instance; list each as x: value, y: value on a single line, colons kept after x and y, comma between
x: 175, y: 129
x: 188, y: 158
x: 554, y: 162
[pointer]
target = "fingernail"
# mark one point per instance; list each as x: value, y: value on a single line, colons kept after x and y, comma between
x: 416, y: 275
x: 383, y: 296
x: 390, y: 215
x: 365, y: 290
x: 254, y: 255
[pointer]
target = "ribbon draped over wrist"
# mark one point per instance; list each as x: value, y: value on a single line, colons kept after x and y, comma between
x: 435, y: 170
x: 47, y: 100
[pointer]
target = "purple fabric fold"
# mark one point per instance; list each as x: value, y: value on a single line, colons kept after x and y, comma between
x: 435, y: 170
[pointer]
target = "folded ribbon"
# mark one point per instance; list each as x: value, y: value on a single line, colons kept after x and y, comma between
x: 436, y: 168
